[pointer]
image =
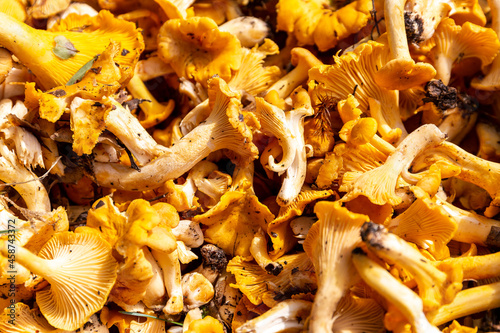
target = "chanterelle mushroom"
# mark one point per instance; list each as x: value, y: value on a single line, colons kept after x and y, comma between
x: 329, y: 243
x: 81, y: 272
x: 224, y: 128
x: 53, y: 66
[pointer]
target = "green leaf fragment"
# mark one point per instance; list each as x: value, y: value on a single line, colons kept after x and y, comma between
x: 138, y: 314
x: 81, y: 72
x: 64, y: 49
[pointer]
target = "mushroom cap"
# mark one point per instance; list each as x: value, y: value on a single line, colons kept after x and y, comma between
x: 195, y: 48
x: 25, y: 320
x: 400, y: 74
x: 278, y: 229
x: 335, y: 25
x: 14, y: 8
x: 96, y: 33
x: 83, y: 273
x: 454, y: 43
x: 42, y: 9
x: 234, y: 220
x: 300, y: 18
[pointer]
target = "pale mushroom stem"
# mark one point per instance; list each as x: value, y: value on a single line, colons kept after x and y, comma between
x: 217, y: 132
x: 401, y: 72
x: 472, y: 227
x: 33, y: 263
x: 408, y: 302
x: 303, y: 60
x: 394, y: 11
x: 433, y: 284
x: 288, y: 315
x: 467, y: 302
x: 481, y: 172
x: 17, y: 37
x: 475, y: 267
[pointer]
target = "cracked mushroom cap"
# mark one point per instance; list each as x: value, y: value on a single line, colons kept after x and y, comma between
x: 81, y: 272
x: 196, y: 48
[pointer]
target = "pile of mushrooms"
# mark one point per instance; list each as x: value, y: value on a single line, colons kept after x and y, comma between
x: 249, y: 166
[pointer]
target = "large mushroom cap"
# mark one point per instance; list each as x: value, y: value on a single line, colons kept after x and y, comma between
x: 196, y: 48
x: 80, y: 270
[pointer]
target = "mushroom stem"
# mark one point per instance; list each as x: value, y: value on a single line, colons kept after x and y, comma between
x: 174, y: 162
x: 472, y: 227
x: 25, y: 258
x: 258, y: 249
x: 35, y: 48
x: 224, y: 128
x: 303, y: 60
x: 435, y: 287
x: 17, y: 37
x: 475, y: 170
x: 408, y: 302
x: 401, y: 72
x: 395, y: 25
x: 475, y: 267
x: 128, y: 129
x: 467, y: 302
x: 288, y: 315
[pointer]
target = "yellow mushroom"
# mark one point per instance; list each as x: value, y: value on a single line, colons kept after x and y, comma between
x: 336, y: 24
x: 358, y: 314
x: 79, y: 265
x: 207, y: 324
x: 16, y: 9
x: 426, y: 224
x: 466, y: 302
x: 153, y: 112
x: 196, y: 48
x: 18, y: 317
x: 379, y: 184
x: 234, y: 220
x: 353, y: 73
x: 407, y: 302
x: 279, y: 228
x: 225, y: 128
x: 303, y: 60
x: 401, y: 72
x: 60, y: 53
x: 41, y: 9
x: 328, y: 244
x: 453, y: 43
x: 491, y: 80
x: 474, y: 170
x: 435, y: 287
x: 253, y: 281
